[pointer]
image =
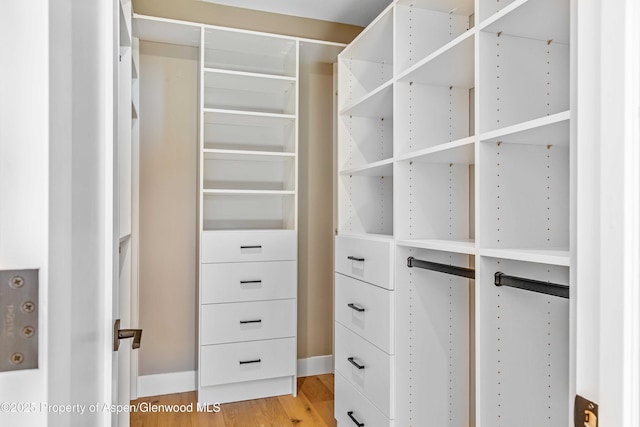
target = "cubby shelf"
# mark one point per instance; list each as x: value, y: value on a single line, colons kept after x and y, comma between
x: 549, y: 130
x: 381, y: 168
x: 533, y: 19
x: 377, y: 103
x: 559, y: 257
x: 246, y: 192
x: 248, y: 117
x: 451, y: 65
x: 455, y: 246
x: 375, y: 43
x: 460, y: 151
x: 247, y: 155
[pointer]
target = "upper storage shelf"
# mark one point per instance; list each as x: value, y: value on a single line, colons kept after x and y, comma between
x: 243, y: 91
x: 532, y: 19
x: 242, y: 51
x: 425, y: 26
x: 367, y: 62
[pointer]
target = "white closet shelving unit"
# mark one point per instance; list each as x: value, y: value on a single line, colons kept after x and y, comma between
x: 248, y: 203
x: 454, y: 149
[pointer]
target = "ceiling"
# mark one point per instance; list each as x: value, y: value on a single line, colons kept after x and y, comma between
x: 356, y: 12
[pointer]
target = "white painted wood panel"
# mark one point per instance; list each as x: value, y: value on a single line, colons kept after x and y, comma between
x: 376, y: 381
x: 248, y: 246
x: 250, y: 281
x: 220, y: 364
x: 366, y: 310
x: 247, y: 321
x: 352, y: 401
x: 376, y: 266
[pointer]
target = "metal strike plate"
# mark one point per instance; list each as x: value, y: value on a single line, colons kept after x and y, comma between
x: 18, y: 320
x: 585, y: 412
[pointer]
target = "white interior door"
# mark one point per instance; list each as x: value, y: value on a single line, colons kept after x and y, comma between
x: 58, y: 201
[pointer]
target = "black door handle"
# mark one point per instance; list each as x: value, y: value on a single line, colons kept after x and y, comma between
x: 355, y: 258
x: 119, y: 334
x: 355, y: 307
x: 354, y: 363
x: 246, y: 362
x: 242, y: 322
x: 358, y: 423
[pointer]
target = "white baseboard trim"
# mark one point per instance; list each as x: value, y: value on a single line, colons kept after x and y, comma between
x: 174, y: 382
x: 180, y: 382
x: 317, y: 365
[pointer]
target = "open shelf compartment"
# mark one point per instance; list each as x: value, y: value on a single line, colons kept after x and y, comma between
x: 227, y: 130
x: 425, y: 26
x: 256, y: 174
x: 436, y: 100
x: 437, y: 191
x: 255, y: 53
x: 532, y: 19
x: 523, y: 347
x: 366, y: 204
x: 249, y: 92
x: 366, y: 133
x: 522, y: 78
x: 248, y: 212
x: 367, y: 62
x: 524, y: 189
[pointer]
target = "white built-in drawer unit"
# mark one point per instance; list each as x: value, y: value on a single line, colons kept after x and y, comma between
x: 251, y: 281
x: 249, y: 246
x: 247, y: 361
x: 247, y: 321
x: 369, y: 260
x: 248, y: 314
x: 366, y: 367
x: 366, y: 310
x: 352, y: 407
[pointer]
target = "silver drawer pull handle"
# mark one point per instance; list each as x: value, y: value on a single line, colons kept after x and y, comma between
x: 251, y: 247
x: 246, y: 362
x: 244, y: 282
x: 358, y: 423
x: 355, y: 258
x: 355, y: 307
x: 354, y: 363
x: 242, y: 322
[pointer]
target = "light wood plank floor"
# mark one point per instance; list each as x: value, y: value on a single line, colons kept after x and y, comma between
x: 313, y: 407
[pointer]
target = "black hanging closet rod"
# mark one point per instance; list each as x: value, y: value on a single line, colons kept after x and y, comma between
x: 554, y: 289
x: 469, y: 273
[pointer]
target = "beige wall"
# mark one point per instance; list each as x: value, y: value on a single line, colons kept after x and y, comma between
x: 168, y: 196
x: 226, y: 16
x: 315, y: 253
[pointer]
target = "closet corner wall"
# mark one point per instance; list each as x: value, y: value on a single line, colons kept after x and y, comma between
x: 454, y: 216
x: 248, y: 191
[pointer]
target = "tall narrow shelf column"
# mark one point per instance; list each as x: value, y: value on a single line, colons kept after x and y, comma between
x: 248, y: 215
x: 248, y: 193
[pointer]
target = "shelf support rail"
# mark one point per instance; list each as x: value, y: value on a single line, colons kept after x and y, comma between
x: 469, y: 273
x: 548, y: 288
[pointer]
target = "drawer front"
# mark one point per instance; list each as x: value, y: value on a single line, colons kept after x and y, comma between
x: 366, y: 310
x: 247, y: 361
x: 349, y: 401
x: 249, y: 246
x: 364, y: 259
x: 246, y: 321
x: 374, y: 380
x: 250, y: 281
